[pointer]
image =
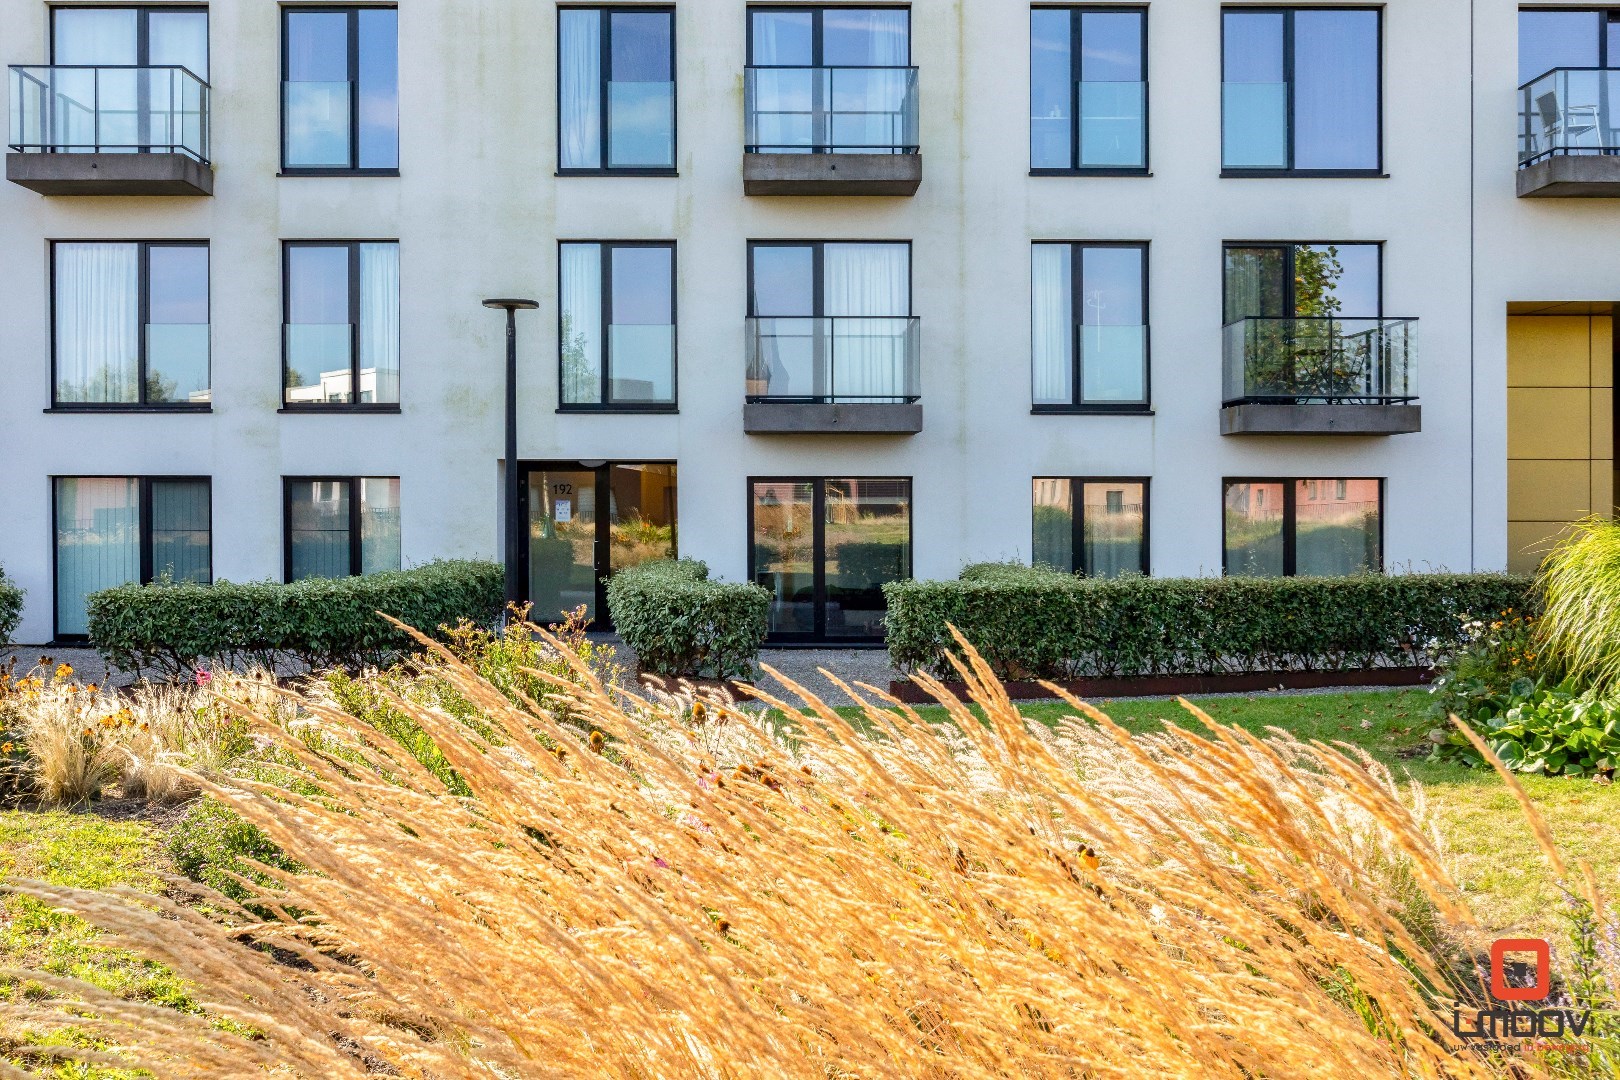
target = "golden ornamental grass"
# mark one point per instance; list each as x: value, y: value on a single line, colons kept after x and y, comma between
x: 693, y: 895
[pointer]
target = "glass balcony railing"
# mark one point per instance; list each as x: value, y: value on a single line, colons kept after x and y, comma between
x: 838, y: 360
x: 1312, y: 361
x: 1569, y: 111
x: 101, y: 110
x: 831, y: 110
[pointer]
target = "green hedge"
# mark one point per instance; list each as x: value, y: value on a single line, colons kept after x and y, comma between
x: 11, y: 602
x: 321, y: 622
x: 682, y: 624
x: 1036, y: 623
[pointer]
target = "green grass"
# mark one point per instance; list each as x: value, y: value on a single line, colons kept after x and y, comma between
x: 85, y: 851
x: 1493, y: 855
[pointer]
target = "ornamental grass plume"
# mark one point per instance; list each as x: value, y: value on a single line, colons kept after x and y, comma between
x: 707, y: 897
x: 1579, y: 629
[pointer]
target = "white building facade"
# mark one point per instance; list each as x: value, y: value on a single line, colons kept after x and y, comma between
x: 832, y: 294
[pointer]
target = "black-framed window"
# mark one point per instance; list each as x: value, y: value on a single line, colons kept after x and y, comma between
x: 340, y: 526
x: 1096, y: 526
x: 340, y: 316
x: 616, y: 324
x: 1088, y: 326
x: 1298, y: 280
x: 1282, y: 527
x: 340, y: 90
x: 1301, y: 91
x: 615, y: 90
x: 1567, y: 38
x: 113, y: 530
x: 129, y: 324
x: 824, y: 547
x: 1088, y: 89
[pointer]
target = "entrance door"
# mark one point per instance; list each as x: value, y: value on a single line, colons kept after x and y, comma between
x: 587, y: 522
x: 824, y: 548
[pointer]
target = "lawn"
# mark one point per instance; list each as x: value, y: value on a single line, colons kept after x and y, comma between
x: 1495, y: 858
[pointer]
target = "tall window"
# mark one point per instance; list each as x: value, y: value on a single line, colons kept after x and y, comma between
x: 1303, y: 281
x: 341, y: 338
x: 1300, y: 90
x: 1320, y: 528
x: 615, y: 89
x: 617, y: 325
x: 1095, y: 527
x: 113, y: 530
x: 1088, y: 326
x: 823, y: 548
x: 130, y: 325
x: 833, y: 321
x: 831, y: 80
x: 340, y: 526
x: 340, y: 90
x: 1566, y: 38
x: 1087, y: 89
x: 119, y: 81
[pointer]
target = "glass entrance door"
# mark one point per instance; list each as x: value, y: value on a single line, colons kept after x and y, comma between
x: 585, y: 524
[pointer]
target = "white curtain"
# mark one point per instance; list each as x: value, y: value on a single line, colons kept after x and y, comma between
x: 867, y: 288
x: 1052, y: 323
x: 581, y: 323
x: 379, y: 322
x: 380, y: 547
x: 579, y: 71
x: 98, y: 542
x: 97, y: 311
x: 867, y: 106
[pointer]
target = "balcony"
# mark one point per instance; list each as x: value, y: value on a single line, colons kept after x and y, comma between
x: 1320, y: 376
x: 842, y: 375
x: 78, y: 130
x: 831, y: 131
x: 1568, y: 145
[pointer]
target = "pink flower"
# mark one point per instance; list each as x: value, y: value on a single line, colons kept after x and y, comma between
x: 660, y: 863
x: 204, y: 677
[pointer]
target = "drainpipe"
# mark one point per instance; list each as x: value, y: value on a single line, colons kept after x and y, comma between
x: 514, y: 493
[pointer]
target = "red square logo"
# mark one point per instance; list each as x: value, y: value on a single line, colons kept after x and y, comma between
x: 1499, y: 985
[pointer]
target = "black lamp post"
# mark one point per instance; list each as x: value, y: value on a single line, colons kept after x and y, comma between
x: 514, y: 493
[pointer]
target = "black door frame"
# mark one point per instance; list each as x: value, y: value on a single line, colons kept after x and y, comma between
x: 602, y: 545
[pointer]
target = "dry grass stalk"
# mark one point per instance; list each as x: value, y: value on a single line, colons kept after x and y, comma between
x: 695, y: 896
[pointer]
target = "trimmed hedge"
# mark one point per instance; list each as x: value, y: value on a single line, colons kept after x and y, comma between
x: 682, y: 624
x: 1037, y: 623
x: 11, y: 603
x: 321, y: 622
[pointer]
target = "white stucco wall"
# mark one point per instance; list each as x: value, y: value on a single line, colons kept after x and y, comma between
x: 478, y: 212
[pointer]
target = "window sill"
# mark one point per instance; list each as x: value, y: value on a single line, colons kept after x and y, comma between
x: 391, y: 410
x: 1090, y: 172
x: 615, y: 172
x: 337, y: 172
x: 1304, y: 174
x: 93, y: 409
x: 1091, y: 410
x: 620, y: 410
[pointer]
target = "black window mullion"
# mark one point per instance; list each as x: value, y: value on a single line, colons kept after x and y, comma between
x: 1290, y: 535
x: 354, y: 323
x: 1077, y: 527
x: 821, y: 375
x: 604, y: 73
x: 354, y: 93
x: 1076, y: 44
x: 1288, y: 78
x: 354, y: 526
x: 606, y: 315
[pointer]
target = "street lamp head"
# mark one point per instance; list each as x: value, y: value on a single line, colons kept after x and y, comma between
x: 512, y: 305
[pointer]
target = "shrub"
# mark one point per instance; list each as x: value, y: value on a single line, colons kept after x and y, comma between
x: 1579, y: 633
x: 177, y: 629
x: 1038, y: 623
x: 11, y: 602
x: 682, y: 624
x: 1556, y: 730
x: 69, y: 736
x: 210, y: 843
x: 953, y: 901
x: 1491, y: 657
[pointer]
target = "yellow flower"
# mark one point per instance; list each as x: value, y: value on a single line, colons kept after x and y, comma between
x: 6, y: 748
x: 64, y: 671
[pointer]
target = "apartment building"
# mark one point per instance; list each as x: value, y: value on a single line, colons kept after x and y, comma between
x: 827, y: 294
